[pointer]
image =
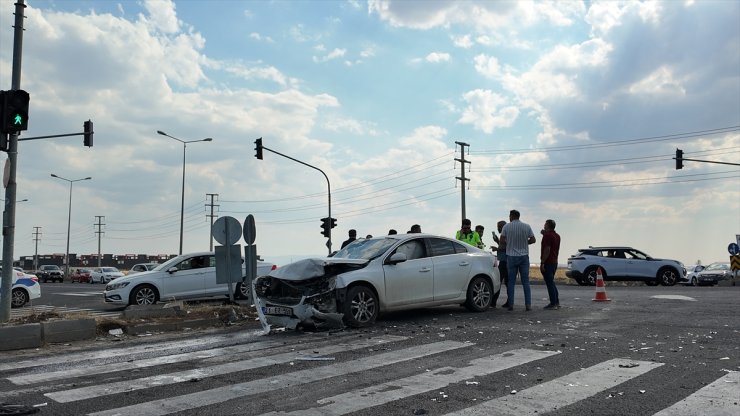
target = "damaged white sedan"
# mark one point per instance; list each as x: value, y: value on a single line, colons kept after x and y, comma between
x: 377, y: 275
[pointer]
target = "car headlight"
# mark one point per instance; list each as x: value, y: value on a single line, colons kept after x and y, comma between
x: 114, y: 286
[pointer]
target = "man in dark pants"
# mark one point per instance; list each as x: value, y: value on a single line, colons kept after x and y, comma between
x: 549, y: 262
x: 503, y: 271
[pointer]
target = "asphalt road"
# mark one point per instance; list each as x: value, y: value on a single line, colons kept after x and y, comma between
x: 71, y: 297
x: 648, y: 350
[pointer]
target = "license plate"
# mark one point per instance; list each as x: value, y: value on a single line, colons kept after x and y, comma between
x: 277, y: 310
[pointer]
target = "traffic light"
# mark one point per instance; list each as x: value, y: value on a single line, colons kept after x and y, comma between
x: 325, y: 227
x: 14, y: 111
x: 679, y: 159
x: 333, y: 222
x: 258, y: 148
x: 88, y: 128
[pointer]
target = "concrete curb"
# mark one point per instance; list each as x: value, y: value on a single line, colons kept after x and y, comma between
x: 18, y: 337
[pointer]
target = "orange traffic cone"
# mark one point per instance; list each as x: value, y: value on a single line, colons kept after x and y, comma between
x: 600, y: 290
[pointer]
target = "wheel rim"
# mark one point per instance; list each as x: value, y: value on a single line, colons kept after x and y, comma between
x: 145, y: 296
x: 668, y: 278
x: 591, y: 278
x: 363, y: 307
x: 693, y: 281
x: 481, y: 294
x: 19, y: 298
x: 244, y: 290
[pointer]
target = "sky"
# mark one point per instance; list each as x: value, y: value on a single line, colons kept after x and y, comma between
x: 569, y: 110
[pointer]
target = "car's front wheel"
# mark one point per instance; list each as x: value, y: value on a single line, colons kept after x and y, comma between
x: 693, y: 281
x: 589, y: 278
x: 361, y: 307
x: 667, y: 277
x: 144, y: 295
x: 19, y: 298
x: 479, y: 295
x: 242, y: 291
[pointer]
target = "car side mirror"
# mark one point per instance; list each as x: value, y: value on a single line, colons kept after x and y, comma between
x: 397, y: 258
x: 172, y: 270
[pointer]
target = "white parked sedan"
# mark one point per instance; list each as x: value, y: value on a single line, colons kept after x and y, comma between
x: 187, y: 276
x: 104, y: 274
x: 25, y: 287
x: 378, y: 275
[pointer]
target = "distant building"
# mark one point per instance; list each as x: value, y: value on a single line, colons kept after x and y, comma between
x: 120, y: 261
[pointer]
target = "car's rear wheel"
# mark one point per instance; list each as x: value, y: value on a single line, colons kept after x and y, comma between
x: 590, y: 276
x: 242, y: 291
x: 361, y: 307
x: 19, y: 298
x: 667, y: 276
x: 693, y: 281
x: 144, y: 295
x: 479, y: 294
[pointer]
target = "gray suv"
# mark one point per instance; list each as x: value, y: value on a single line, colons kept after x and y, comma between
x: 623, y: 264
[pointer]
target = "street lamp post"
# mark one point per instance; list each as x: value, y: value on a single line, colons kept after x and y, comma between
x: 182, y: 203
x: 69, y: 216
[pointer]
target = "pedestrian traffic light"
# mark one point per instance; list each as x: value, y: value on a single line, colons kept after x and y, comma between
x: 14, y: 111
x: 325, y: 227
x: 333, y: 222
x: 679, y: 159
x: 258, y: 148
x: 88, y: 128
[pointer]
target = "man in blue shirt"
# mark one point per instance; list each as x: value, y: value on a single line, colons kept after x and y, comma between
x: 517, y: 236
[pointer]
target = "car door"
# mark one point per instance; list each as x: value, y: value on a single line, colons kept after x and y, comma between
x: 639, y: 265
x: 451, y: 268
x: 188, y: 280
x: 410, y: 281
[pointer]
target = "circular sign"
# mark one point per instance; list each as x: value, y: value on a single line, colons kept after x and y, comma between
x: 226, y: 230
x: 250, y: 232
x: 734, y: 249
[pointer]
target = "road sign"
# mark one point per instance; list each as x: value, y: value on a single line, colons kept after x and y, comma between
x: 250, y: 232
x: 227, y: 230
x: 735, y: 262
x: 733, y: 249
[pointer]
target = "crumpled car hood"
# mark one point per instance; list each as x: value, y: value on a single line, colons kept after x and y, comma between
x: 310, y: 268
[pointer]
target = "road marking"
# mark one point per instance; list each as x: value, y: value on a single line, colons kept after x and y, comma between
x: 161, y: 348
x: 719, y: 398
x: 87, y: 294
x: 674, y: 297
x: 562, y: 391
x: 282, y: 381
x: 98, y: 390
x: 420, y: 383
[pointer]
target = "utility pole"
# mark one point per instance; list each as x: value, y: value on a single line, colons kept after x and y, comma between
x: 462, y: 177
x: 100, y: 224
x: 211, y: 216
x: 10, y: 188
x: 36, y: 238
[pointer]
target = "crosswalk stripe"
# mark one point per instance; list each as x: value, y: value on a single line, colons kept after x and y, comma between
x: 562, y: 391
x: 420, y: 383
x: 161, y: 347
x: 98, y: 390
x: 282, y: 381
x: 89, y: 370
x: 719, y: 398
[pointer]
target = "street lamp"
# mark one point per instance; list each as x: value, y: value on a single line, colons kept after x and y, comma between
x: 182, y: 203
x: 69, y: 216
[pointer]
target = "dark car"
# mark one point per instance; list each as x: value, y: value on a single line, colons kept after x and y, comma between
x: 50, y: 272
x: 714, y: 273
x: 80, y: 275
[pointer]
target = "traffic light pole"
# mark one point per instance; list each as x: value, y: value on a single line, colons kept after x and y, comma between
x: 10, y: 188
x: 328, y: 185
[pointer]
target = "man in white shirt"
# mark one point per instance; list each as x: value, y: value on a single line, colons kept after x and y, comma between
x: 517, y: 236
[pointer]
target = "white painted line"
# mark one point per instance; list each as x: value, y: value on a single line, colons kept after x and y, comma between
x: 674, y: 297
x: 562, y: 391
x: 282, y: 381
x: 89, y: 370
x: 420, y: 383
x: 98, y: 390
x: 720, y: 398
x: 160, y: 348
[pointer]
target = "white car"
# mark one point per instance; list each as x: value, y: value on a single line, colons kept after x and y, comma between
x: 25, y: 287
x: 104, y: 274
x: 377, y: 275
x: 692, y: 274
x: 623, y: 264
x: 186, y: 276
x: 142, y: 267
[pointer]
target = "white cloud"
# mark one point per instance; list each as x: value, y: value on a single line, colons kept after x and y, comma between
x: 462, y: 41
x: 487, y: 111
x: 436, y: 57
x: 488, y: 66
x: 162, y: 15
x: 334, y: 54
x: 256, y: 36
x: 660, y: 83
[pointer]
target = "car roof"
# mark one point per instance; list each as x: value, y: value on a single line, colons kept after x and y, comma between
x: 607, y: 248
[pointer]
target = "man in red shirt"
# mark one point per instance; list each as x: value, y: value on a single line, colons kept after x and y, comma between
x: 549, y: 262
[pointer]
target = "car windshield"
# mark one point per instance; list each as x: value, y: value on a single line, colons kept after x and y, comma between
x: 109, y: 269
x: 366, y: 249
x: 717, y: 266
